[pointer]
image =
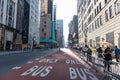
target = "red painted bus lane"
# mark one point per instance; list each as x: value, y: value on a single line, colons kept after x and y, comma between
x: 58, y: 66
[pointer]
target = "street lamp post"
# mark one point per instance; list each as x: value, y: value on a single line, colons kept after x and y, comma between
x: 33, y: 40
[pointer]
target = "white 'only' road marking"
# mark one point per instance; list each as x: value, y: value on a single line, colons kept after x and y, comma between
x: 16, y: 67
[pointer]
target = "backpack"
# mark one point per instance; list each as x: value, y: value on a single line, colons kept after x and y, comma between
x: 108, y: 57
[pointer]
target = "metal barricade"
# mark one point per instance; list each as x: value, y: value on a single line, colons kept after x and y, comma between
x: 101, y: 65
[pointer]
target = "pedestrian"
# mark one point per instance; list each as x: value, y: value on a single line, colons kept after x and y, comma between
x: 117, y: 53
x: 94, y: 51
x: 59, y: 49
x: 100, y: 51
x: 89, y: 53
x: 84, y: 51
x: 108, y: 58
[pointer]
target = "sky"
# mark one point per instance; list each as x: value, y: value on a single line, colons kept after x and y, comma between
x: 65, y: 10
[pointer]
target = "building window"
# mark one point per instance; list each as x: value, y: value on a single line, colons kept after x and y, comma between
x: 90, y: 42
x: 98, y: 22
x: 97, y: 40
x: 97, y: 9
x: 89, y: 19
x: 89, y: 2
x: 91, y: 6
x: 82, y: 25
x: 42, y: 30
x: 31, y: 17
x: 110, y: 12
x: 90, y: 29
x: 94, y: 1
x: 100, y: 19
x: 92, y: 16
x: 45, y: 34
x: 117, y: 6
x: 89, y: 10
x: 93, y: 26
x: 44, y: 25
x: 110, y: 37
x: 105, y: 1
x: 95, y: 12
x: 119, y: 41
x: 100, y: 6
x: 106, y: 16
x: 44, y: 22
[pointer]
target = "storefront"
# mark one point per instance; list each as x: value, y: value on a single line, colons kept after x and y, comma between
x: 0, y: 38
x: 18, y: 42
x: 9, y: 39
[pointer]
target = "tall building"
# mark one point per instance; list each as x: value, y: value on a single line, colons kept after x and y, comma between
x: 99, y: 20
x: 45, y: 30
x: 73, y: 31
x: 59, y: 33
x: 46, y: 7
x: 8, y: 12
x: 28, y: 22
x: 19, y: 24
x: 48, y: 18
x: 78, y: 4
x: 34, y: 22
x: 25, y: 24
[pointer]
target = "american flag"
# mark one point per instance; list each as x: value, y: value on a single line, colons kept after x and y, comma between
x: 74, y: 34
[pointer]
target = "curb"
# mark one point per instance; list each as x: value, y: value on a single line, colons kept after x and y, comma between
x: 12, y: 52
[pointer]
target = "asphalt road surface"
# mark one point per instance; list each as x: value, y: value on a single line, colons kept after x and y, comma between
x: 11, y: 61
x: 61, y: 65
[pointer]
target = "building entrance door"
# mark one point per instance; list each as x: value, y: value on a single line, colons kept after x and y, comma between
x: 8, y: 45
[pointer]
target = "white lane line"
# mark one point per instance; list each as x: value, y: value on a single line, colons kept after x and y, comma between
x: 30, y: 62
x: 16, y: 67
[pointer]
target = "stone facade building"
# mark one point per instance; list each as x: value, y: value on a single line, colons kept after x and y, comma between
x: 99, y: 20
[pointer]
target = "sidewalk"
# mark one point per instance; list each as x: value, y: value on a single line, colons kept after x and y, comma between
x: 22, y: 51
x: 98, y: 64
x: 12, y: 52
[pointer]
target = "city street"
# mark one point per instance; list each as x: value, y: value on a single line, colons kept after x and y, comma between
x: 59, y: 40
x: 59, y: 65
x: 12, y: 61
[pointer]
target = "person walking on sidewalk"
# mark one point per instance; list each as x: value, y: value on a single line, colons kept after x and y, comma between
x: 59, y: 49
x: 100, y: 51
x: 108, y: 58
x: 117, y: 53
x: 89, y: 53
x: 94, y: 51
x: 84, y: 50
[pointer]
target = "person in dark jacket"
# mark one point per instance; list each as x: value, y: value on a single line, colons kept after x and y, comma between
x: 89, y: 53
x: 117, y: 53
x: 100, y: 51
x: 107, y: 58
